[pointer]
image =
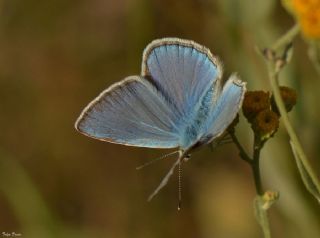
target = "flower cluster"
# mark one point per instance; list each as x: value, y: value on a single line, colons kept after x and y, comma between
x: 262, y: 113
x: 266, y: 124
x: 254, y: 102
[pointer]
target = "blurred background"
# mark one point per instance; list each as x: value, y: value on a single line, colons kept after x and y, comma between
x: 56, y: 56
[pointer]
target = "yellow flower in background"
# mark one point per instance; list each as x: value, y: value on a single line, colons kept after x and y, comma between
x: 310, y: 24
x: 307, y: 13
x: 305, y: 6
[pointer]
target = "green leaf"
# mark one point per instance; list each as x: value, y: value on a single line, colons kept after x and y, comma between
x: 308, y: 180
x: 262, y: 216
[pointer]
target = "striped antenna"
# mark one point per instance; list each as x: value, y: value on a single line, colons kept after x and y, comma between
x: 179, y: 186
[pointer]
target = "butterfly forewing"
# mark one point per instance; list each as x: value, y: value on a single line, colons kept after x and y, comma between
x: 131, y: 112
x: 183, y: 71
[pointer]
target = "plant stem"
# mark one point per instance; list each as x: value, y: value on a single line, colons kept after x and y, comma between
x: 261, y: 214
x: 273, y: 77
x: 286, y: 38
x: 255, y: 166
x: 253, y: 162
x: 243, y: 154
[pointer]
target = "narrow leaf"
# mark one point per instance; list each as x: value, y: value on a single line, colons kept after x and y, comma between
x: 306, y: 178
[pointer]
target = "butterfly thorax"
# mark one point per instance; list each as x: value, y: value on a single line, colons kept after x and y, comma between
x: 194, y: 130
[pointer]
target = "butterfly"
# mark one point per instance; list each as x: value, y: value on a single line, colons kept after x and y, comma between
x: 178, y: 101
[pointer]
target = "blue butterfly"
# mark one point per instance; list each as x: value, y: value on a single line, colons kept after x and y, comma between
x: 178, y: 101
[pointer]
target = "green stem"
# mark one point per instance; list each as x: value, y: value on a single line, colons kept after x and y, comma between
x: 255, y: 166
x: 273, y: 77
x: 286, y: 38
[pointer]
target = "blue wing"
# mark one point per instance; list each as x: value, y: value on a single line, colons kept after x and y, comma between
x: 131, y: 112
x: 182, y: 71
x: 226, y: 108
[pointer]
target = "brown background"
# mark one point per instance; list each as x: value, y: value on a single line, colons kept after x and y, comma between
x: 56, y: 56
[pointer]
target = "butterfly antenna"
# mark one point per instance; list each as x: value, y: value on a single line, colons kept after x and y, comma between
x: 167, y: 176
x: 225, y: 141
x: 155, y: 160
x: 227, y: 137
x: 179, y: 186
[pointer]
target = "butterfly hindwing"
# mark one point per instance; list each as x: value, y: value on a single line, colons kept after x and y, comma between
x: 226, y: 107
x: 131, y: 112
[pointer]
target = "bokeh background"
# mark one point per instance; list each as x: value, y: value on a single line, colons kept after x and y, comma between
x: 56, y: 56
